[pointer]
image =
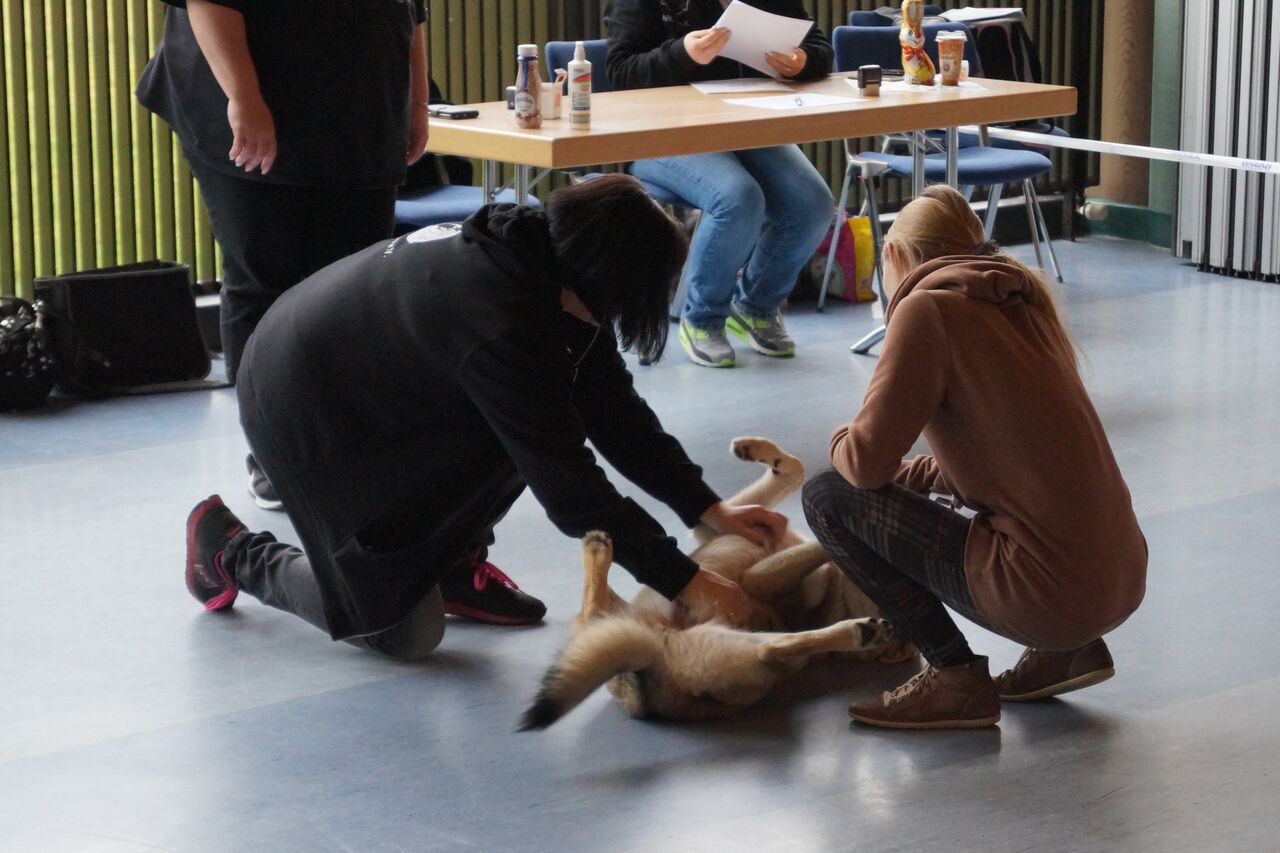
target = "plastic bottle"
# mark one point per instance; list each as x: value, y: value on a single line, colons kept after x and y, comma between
x: 528, y: 87
x: 579, y: 89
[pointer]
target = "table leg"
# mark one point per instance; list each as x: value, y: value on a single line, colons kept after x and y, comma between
x: 522, y: 183
x: 917, y: 162
x: 489, y: 178
x: 953, y: 148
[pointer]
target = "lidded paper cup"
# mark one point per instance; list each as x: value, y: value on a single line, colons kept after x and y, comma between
x: 950, y: 55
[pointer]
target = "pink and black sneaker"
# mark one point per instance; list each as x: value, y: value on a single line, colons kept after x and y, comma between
x: 485, y: 594
x: 209, y: 528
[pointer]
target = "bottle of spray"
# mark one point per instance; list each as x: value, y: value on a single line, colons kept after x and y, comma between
x: 528, y: 87
x: 579, y: 89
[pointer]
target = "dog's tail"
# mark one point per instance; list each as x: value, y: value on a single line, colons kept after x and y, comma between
x: 600, y: 651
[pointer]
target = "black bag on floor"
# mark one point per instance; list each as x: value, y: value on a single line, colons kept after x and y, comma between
x: 118, y: 328
x: 27, y: 367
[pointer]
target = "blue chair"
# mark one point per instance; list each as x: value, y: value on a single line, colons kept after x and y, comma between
x: 978, y: 165
x: 558, y: 54
x: 447, y: 203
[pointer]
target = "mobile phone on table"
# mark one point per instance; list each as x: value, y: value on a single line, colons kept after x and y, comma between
x: 450, y: 111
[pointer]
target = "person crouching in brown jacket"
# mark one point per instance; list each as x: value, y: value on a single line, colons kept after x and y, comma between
x: 976, y: 358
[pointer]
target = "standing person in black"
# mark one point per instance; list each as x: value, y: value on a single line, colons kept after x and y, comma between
x: 298, y: 118
x: 764, y: 210
x: 403, y: 397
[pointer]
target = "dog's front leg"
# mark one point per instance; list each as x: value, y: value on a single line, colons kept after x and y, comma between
x: 780, y: 573
x: 597, y: 597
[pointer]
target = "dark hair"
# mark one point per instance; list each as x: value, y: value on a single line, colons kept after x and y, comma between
x: 620, y: 254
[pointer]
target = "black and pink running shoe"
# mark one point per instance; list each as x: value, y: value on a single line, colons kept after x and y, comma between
x: 488, y: 595
x: 209, y: 528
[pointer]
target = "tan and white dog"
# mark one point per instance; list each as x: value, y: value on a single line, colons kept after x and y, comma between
x: 661, y: 659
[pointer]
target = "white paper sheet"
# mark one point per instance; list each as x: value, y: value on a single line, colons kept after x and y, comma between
x: 753, y: 33
x: 971, y: 13
x: 791, y: 102
x: 744, y: 84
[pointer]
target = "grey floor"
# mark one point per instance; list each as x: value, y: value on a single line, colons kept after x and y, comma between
x: 130, y: 720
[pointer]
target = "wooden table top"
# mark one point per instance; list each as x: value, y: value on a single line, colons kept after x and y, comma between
x: 642, y: 123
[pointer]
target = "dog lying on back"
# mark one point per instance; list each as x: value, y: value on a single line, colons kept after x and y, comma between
x: 660, y: 659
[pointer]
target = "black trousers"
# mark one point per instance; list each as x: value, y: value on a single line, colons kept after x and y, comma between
x: 274, y: 235
x: 905, y: 551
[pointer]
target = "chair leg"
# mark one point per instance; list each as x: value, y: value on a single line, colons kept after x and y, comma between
x: 1044, y: 229
x: 993, y: 207
x: 1028, y: 191
x: 677, y: 302
x: 967, y: 192
x: 863, y: 346
x: 836, y: 233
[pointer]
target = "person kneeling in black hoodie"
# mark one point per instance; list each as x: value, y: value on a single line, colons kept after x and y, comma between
x: 402, y: 398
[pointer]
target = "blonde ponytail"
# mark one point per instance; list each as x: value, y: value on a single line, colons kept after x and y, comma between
x: 939, y: 222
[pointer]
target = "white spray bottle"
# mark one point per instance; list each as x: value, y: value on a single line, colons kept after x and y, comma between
x: 579, y: 89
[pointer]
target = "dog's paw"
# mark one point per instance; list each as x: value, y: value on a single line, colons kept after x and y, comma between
x: 597, y: 537
x: 873, y: 633
x: 764, y: 451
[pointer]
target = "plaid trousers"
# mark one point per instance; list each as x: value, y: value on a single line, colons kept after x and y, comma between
x: 905, y: 551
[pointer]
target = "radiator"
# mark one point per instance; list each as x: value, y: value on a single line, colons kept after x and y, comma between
x: 1229, y: 221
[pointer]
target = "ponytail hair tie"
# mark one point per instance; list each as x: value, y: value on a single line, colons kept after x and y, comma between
x: 986, y: 248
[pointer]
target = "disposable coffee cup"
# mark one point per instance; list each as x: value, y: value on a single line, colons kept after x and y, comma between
x: 950, y: 55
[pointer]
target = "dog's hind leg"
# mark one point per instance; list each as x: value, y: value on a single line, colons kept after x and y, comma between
x: 597, y: 597
x: 780, y: 573
x: 851, y: 635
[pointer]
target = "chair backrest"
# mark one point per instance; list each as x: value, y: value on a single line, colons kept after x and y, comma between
x: 856, y: 46
x: 875, y: 18
x: 558, y: 54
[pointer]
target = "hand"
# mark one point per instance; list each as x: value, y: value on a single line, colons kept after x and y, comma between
x: 253, y: 133
x: 709, y: 596
x: 787, y: 64
x: 756, y: 524
x: 418, y: 132
x: 705, y: 45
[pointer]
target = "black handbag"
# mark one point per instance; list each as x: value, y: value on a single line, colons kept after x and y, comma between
x: 122, y: 328
x: 27, y: 366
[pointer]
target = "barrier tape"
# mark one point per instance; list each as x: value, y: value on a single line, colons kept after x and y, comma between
x: 1268, y: 167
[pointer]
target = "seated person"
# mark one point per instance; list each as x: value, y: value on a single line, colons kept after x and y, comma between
x: 402, y: 398
x: 764, y: 210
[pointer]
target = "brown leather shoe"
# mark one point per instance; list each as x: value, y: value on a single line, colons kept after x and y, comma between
x: 954, y: 697
x: 1041, y: 674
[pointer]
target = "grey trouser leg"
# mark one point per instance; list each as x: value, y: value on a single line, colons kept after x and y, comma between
x: 280, y: 576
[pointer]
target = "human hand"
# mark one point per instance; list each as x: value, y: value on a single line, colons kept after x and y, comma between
x: 710, y: 595
x: 705, y: 45
x: 418, y: 132
x: 787, y: 64
x: 756, y: 524
x: 253, y: 133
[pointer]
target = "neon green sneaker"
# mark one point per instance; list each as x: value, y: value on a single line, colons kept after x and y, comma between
x: 707, y: 347
x: 766, y: 335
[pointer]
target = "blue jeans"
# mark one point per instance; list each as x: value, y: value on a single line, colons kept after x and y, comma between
x: 764, y: 211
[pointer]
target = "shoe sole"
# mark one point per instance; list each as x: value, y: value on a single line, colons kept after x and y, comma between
x: 980, y: 723
x: 1078, y: 683
x: 740, y: 331
x: 697, y: 359
x: 224, y: 599
x: 264, y: 503
x: 475, y: 615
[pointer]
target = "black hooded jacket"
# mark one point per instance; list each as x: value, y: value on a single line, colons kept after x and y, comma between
x: 421, y: 370
x: 646, y: 42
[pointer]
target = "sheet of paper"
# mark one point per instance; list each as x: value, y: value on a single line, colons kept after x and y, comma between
x: 791, y: 102
x: 971, y: 13
x: 744, y: 84
x: 753, y: 33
